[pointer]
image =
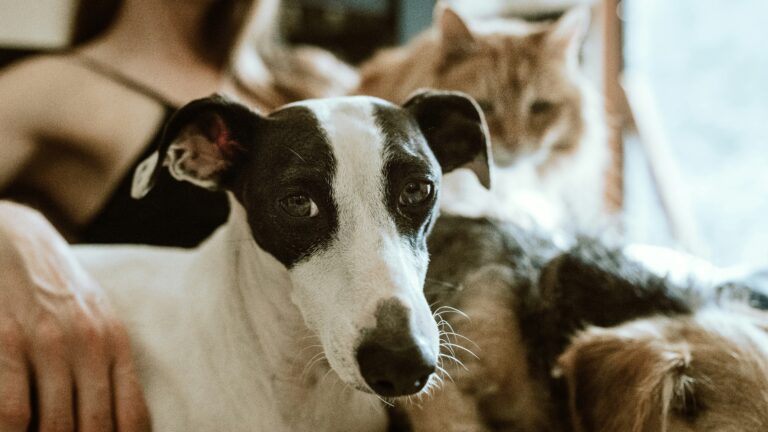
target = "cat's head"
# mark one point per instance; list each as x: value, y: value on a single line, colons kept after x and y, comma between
x: 525, y: 77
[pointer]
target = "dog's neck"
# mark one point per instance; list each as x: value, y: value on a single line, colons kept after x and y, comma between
x: 257, y: 339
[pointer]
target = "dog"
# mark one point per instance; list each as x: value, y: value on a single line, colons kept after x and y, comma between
x: 307, y: 306
x: 584, y: 339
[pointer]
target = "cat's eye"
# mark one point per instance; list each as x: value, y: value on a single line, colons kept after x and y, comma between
x: 299, y: 205
x: 416, y: 193
x: 485, y: 105
x: 541, y: 106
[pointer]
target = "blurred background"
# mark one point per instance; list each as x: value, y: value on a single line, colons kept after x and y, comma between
x: 685, y: 83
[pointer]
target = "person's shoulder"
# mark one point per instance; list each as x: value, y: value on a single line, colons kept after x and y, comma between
x: 41, y: 70
x: 40, y: 81
x: 40, y: 88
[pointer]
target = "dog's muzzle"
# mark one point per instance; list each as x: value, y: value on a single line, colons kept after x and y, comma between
x: 391, y: 359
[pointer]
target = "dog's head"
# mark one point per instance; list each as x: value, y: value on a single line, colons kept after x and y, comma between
x: 707, y: 372
x: 343, y: 193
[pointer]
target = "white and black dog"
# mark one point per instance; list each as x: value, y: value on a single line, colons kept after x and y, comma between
x: 308, y: 303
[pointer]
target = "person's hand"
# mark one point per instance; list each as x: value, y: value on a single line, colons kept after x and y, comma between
x: 65, y: 360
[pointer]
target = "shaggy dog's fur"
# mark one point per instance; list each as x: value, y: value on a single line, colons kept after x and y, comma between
x: 584, y: 340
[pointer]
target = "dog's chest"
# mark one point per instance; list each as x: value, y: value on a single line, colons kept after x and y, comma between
x: 195, y: 400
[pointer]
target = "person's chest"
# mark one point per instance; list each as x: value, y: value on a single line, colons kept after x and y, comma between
x: 85, y: 149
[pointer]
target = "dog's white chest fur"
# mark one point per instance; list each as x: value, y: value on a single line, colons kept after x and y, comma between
x: 208, y: 365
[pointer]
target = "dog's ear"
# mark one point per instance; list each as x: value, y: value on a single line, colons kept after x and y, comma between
x: 199, y: 145
x: 455, y: 129
x: 621, y: 381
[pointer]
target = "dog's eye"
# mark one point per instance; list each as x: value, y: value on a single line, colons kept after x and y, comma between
x: 541, y: 106
x: 299, y: 205
x: 415, y: 193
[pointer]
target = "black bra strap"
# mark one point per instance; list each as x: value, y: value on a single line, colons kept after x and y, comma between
x: 120, y: 78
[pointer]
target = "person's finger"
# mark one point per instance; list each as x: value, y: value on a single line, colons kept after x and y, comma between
x: 53, y: 380
x: 129, y: 407
x: 92, y: 381
x: 15, y: 408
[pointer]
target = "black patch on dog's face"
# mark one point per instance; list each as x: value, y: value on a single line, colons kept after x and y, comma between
x: 408, y: 159
x: 292, y: 156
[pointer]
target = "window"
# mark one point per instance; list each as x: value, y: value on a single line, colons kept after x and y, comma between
x: 706, y: 70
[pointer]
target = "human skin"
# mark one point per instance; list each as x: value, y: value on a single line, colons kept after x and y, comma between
x: 68, y: 137
x: 57, y: 330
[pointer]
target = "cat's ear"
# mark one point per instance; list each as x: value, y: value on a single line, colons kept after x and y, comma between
x: 567, y: 33
x: 455, y: 35
x: 199, y: 145
x: 455, y: 129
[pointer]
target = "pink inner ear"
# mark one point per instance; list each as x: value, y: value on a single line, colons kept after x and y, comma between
x: 221, y: 136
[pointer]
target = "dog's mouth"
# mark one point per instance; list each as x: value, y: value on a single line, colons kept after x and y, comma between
x: 394, y: 367
x: 388, y: 392
x: 384, y: 387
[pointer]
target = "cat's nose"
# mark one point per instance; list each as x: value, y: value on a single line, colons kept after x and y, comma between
x: 503, y: 155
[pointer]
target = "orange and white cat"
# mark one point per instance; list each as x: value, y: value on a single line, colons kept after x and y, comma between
x: 545, y: 119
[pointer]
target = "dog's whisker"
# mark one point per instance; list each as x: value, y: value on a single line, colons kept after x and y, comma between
x: 438, y: 317
x: 456, y: 360
x: 432, y: 388
x: 467, y: 350
x: 311, y: 361
x: 372, y: 403
x: 416, y: 401
x: 309, y: 336
x: 427, y: 392
x: 325, y: 376
x: 445, y: 347
x: 442, y: 308
x: 314, y: 361
x: 445, y: 372
x: 448, y: 348
x: 438, y: 380
x: 456, y: 311
x: 444, y: 334
x: 442, y: 356
x: 451, y: 330
x: 309, y: 347
x: 459, y: 335
x: 441, y: 324
x: 390, y: 404
x: 443, y: 283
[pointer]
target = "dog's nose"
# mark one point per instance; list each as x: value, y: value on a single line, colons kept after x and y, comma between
x: 392, y: 360
x: 392, y: 370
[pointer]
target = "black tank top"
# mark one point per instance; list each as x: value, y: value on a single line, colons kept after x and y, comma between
x: 173, y: 213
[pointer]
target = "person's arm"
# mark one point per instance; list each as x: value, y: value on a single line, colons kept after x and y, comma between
x: 17, y: 144
x: 59, y: 340
x: 56, y: 326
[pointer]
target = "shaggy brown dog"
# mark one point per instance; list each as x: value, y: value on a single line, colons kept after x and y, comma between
x: 706, y: 372
x: 584, y: 340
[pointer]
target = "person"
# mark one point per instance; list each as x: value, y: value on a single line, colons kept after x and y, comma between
x: 59, y: 340
x: 71, y: 142
x: 74, y: 125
